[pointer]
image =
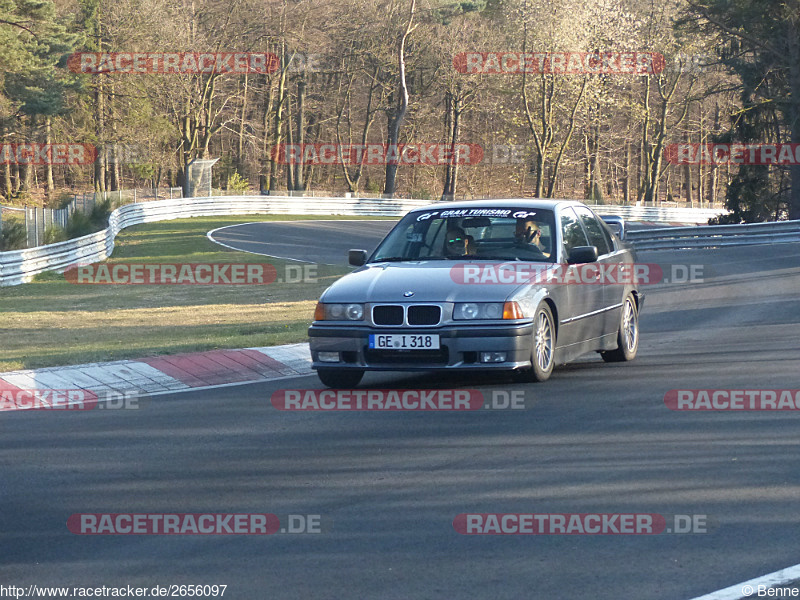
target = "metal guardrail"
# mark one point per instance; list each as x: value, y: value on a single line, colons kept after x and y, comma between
x: 20, y: 266
x: 714, y: 236
x: 699, y: 216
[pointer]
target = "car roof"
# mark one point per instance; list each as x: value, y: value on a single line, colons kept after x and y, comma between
x: 539, y: 203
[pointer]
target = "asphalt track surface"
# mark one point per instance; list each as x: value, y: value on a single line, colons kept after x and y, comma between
x: 597, y: 438
x: 324, y: 242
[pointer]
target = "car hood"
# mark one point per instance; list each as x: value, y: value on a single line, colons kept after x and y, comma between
x: 430, y: 281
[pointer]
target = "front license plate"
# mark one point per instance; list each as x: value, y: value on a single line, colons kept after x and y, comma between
x: 405, y: 341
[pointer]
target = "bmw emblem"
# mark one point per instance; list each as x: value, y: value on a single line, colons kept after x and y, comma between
x: 408, y: 294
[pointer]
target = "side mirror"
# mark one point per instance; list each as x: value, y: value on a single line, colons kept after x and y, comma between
x: 582, y: 254
x: 357, y: 258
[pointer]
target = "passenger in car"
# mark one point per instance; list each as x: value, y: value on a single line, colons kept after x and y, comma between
x: 458, y: 243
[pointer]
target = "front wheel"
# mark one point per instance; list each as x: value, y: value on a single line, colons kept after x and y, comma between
x: 628, y: 334
x: 340, y: 378
x: 544, y: 345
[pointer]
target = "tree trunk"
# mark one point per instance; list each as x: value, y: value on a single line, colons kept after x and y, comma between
x: 596, y: 174
x: 278, y: 136
x: 687, y: 176
x: 186, y: 144
x: 655, y: 157
x: 267, y: 147
x: 290, y: 166
x: 100, y: 135
x: 25, y: 169
x: 565, y: 142
x: 453, y: 125
x: 448, y: 135
x: 354, y: 179
x: 587, y: 166
x: 626, y: 181
x: 539, y: 166
x: 114, y: 176
x: 701, y: 179
x: 48, y: 139
x: 240, y: 146
x: 794, y: 119
x: 6, y: 184
x: 299, y: 182
x: 99, y: 118
x: 397, y: 113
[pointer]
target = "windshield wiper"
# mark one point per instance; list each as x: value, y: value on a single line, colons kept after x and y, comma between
x: 391, y: 259
x: 410, y: 259
x: 484, y: 257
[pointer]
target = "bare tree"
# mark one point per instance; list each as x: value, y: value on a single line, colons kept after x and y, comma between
x: 398, y: 107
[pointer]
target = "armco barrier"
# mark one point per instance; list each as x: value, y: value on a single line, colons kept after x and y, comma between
x: 20, y: 266
x: 714, y: 236
x: 697, y: 216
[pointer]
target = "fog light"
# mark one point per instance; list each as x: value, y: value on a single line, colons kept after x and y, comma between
x: 493, y: 357
x: 328, y: 356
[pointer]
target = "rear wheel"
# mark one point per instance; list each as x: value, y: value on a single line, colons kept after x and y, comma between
x: 340, y: 378
x: 628, y: 334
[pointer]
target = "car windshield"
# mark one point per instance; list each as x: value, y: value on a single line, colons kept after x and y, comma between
x: 508, y: 233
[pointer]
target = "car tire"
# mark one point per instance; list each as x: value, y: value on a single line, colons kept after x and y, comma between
x: 543, y: 346
x: 627, y: 335
x: 340, y: 378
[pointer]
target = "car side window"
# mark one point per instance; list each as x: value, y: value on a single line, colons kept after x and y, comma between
x: 609, y: 235
x: 571, y: 230
x: 594, y: 230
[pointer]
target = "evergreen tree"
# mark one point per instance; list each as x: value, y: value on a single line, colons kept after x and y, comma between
x: 761, y: 42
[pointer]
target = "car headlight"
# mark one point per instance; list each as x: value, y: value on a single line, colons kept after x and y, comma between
x: 339, y: 312
x: 478, y: 310
x: 354, y: 312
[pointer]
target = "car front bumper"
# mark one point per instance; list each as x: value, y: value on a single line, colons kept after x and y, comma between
x: 460, y: 348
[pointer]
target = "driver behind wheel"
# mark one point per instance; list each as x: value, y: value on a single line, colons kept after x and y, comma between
x: 529, y: 234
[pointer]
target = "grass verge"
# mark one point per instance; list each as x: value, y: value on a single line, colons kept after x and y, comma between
x: 52, y: 322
